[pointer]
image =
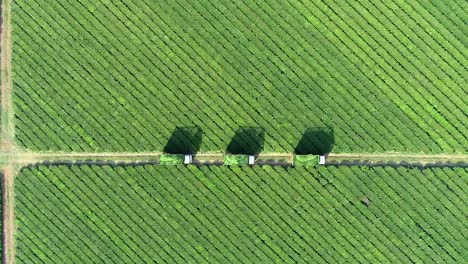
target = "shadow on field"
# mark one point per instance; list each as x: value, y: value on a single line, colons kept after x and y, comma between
x: 247, y: 140
x: 316, y: 141
x: 184, y: 140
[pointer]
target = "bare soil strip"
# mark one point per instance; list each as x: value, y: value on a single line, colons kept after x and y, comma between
x: 399, y: 159
x: 395, y: 159
x: 7, y: 129
x: 8, y: 209
x: 279, y: 159
x: 7, y: 136
x: 399, y: 155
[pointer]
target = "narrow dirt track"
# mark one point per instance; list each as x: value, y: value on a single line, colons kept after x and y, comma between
x: 278, y: 159
x: 7, y: 130
x: 7, y: 136
x: 8, y: 209
x: 400, y: 156
x: 398, y: 159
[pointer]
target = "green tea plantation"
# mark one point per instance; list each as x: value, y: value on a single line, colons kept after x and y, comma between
x: 157, y: 214
x: 122, y: 75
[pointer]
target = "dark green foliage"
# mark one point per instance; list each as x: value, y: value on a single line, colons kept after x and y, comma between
x: 262, y: 214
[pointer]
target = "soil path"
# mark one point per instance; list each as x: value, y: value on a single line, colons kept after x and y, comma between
x: 7, y: 136
x: 7, y: 129
x: 398, y: 160
x: 399, y: 155
x: 8, y: 209
x: 278, y: 159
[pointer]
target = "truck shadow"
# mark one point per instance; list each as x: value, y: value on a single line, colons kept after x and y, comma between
x: 247, y: 140
x: 184, y: 140
x: 316, y: 141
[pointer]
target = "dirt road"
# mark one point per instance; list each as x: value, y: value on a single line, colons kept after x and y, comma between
x: 7, y: 135
x: 8, y: 209
x: 275, y: 159
x: 7, y: 129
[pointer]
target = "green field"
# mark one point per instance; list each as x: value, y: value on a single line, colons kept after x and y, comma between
x: 237, y: 77
x: 155, y: 214
x: 121, y: 75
